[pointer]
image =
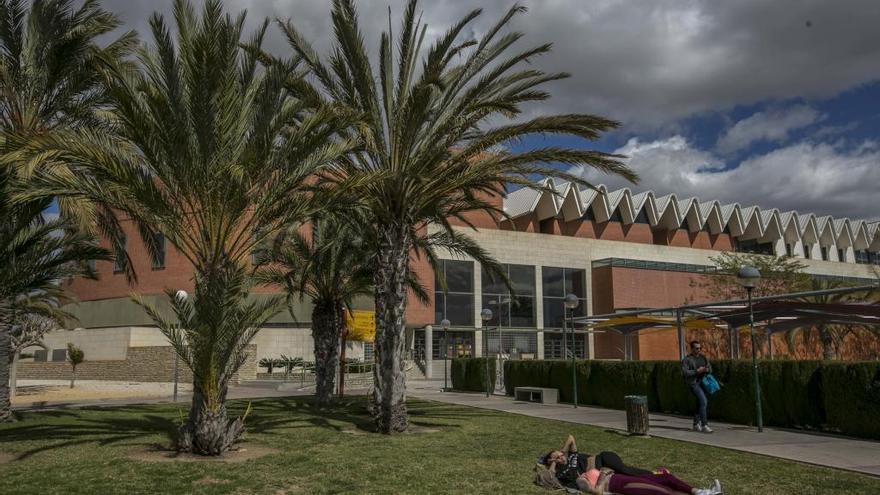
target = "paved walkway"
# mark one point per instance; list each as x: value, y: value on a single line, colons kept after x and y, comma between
x: 826, y: 450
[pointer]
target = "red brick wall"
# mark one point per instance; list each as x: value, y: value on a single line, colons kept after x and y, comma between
x: 616, y: 231
x: 628, y: 288
x: 418, y: 314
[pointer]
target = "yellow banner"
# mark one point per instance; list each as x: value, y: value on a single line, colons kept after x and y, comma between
x: 361, y: 326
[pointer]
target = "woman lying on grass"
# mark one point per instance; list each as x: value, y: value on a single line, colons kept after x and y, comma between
x: 607, y: 473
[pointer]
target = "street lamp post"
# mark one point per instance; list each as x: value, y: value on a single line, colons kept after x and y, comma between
x: 444, y: 324
x: 182, y: 296
x: 571, y: 302
x: 486, y: 315
x: 748, y: 277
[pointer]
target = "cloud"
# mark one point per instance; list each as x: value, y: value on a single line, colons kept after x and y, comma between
x: 807, y: 177
x: 771, y: 125
x: 648, y: 64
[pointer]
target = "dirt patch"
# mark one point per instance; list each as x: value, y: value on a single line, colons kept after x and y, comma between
x: 412, y: 430
x: 208, y: 481
x: 244, y: 452
x: 4, y: 457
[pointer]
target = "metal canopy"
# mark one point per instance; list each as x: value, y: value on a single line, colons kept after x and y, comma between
x: 777, y: 313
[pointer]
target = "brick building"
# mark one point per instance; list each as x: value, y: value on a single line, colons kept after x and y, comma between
x: 613, y: 249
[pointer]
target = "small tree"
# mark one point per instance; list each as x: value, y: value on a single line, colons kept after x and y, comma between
x: 75, y: 356
x: 28, y: 332
x: 779, y: 275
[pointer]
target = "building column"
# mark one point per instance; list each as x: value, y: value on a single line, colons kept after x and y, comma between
x: 591, y: 337
x: 478, y: 343
x: 540, y: 351
x: 429, y: 351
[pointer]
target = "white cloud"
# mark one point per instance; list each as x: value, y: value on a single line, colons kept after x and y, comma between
x: 807, y: 177
x: 771, y: 125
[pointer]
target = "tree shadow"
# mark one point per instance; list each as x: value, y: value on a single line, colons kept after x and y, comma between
x: 99, y: 431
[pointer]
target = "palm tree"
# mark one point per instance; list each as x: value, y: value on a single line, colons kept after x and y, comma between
x: 38, y: 255
x: 51, y: 74
x: 434, y: 126
x: 51, y: 79
x: 208, y: 149
x: 331, y: 266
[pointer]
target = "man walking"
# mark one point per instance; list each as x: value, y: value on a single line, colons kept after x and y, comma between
x: 694, y: 367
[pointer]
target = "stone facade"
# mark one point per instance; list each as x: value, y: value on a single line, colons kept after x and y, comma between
x: 142, y: 364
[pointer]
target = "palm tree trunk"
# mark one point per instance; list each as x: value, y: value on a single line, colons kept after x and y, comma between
x: 13, y: 374
x: 389, y: 391
x: 208, y: 431
x: 327, y: 321
x: 828, y: 352
x: 5, y: 399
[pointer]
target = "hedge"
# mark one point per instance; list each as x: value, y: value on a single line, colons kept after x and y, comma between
x: 470, y: 374
x: 834, y: 397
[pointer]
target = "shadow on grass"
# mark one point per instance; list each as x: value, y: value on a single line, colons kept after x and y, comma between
x: 106, y: 425
x: 101, y: 431
x: 269, y: 416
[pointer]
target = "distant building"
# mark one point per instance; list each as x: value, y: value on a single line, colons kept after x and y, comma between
x: 613, y: 249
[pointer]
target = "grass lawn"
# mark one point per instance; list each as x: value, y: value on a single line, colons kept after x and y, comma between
x: 460, y: 450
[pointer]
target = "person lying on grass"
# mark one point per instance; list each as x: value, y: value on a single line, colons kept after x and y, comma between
x: 607, y: 473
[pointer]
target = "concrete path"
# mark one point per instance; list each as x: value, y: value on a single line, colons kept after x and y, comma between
x: 249, y: 390
x: 826, y: 450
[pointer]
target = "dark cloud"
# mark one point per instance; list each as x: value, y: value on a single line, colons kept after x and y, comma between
x: 648, y: 64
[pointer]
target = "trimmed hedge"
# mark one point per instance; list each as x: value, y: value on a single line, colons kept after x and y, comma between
x: 470, y: 374
x: 835, y: 397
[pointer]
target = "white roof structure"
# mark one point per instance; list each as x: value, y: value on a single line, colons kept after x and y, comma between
x: 743, y: 222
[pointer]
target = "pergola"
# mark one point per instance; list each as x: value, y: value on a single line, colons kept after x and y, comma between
x: 632, y: 325
x: 773, y: 313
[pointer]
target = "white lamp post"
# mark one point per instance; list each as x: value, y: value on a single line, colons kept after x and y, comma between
x: 571, y: 302
x: 748, y: 277
x: 444, y: 324
x: 181, y: 296
x: 486, y: 315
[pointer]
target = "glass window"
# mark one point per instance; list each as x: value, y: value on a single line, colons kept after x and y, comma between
x: 457, y: 304
x: 159, y: 259
x: 841, y: 255
x: 554, y: 345
x: 518, y: 309
x: 863, y: 257
x: 808, y: 248
x: 642, y: 217
x: 118, y: 262
x: 554, y: 285
x: 824, y: 250
x: 458, y: 344
x: 573, y: 280
x: 789, y: 250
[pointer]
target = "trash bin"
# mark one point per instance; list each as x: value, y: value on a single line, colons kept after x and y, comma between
x: 636, y: 414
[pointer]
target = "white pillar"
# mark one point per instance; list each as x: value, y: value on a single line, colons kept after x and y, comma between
x: 478, y: 343
x: 540, y: 352
x: 429, y: 351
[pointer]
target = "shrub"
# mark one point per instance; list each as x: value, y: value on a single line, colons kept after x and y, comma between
x: 469, y: 374
x: 851, y: 395
x: 838, y: 397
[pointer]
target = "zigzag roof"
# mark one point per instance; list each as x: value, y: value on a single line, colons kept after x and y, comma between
x: 769, y: 223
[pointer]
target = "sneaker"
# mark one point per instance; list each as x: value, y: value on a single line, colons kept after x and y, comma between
x: 698, y: 426
x: 716, y: 488
x: 702, y: 491
x: 706, y: 429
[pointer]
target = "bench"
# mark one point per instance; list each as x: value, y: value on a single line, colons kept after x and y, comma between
x: 536, y: 394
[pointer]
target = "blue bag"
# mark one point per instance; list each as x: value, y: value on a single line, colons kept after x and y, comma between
x: 710, y: 384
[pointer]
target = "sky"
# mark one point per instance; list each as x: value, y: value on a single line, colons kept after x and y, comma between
x: 774, y: 103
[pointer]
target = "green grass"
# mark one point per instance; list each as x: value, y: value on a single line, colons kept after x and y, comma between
x: 474, y: 451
